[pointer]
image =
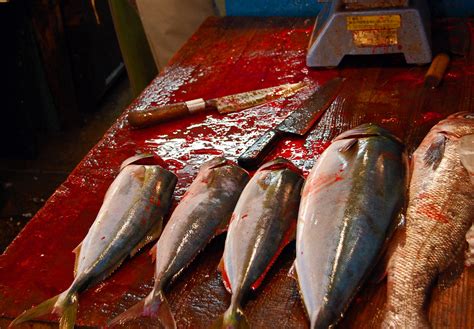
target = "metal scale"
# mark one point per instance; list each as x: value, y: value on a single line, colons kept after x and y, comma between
x: 369, y: 27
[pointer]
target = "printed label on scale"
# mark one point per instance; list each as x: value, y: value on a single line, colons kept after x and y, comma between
x: 374, y: 31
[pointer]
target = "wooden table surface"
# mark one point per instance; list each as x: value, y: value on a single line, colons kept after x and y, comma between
x: 228, y: 55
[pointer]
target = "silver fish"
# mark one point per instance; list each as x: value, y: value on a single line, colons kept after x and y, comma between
x: 131, y: 215
x: 204, y: 212
x: 440, y: 212
x: 263, y: 222
x: 348, y: 204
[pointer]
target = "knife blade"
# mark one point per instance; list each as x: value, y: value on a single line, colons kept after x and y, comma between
x: 299, y: 122
x: 226, y: 104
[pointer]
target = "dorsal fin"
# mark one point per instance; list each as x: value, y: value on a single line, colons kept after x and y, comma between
x: 77, y: 252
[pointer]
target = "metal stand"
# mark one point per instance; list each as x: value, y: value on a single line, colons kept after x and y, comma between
x: 368, y: 27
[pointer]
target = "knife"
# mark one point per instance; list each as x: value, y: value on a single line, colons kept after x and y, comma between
x: 226, y: 104
x: 297, y: 123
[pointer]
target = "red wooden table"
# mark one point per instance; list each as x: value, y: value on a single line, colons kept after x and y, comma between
x: 229, y: 55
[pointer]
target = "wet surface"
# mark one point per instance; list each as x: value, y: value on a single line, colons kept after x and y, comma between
x: 231, y: 55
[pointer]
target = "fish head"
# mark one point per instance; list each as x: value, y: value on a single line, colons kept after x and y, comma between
x: 279, y: 164
x: 367, y: 130
x: 457, y: 124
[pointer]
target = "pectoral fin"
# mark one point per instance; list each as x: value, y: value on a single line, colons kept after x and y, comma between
x: 466, y: 153
x: 348, y: 144
x: 434, y: 154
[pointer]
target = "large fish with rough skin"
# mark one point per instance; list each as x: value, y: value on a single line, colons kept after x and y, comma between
x: 203, y: 212
x: 440, y: 212
x: 263, y: 222
x: 131, y: 215
x: 348, y: 206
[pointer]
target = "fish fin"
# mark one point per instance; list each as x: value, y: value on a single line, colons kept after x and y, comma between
x: 67, y: 311
x: 434, y: 153
x: 324, y: 318
x: 231, y: 319
x: 348, y: 144
x: 153, y: 306
x: 292, y: 272
x: 152, y: 235
x: 466, y: 153
x: 152, y: 253
x: 77, y: 252
x: 287, y: 238
x: 44, y: 308
x: 225, y: 277
x: 470, y: 251
x: 223, y: 227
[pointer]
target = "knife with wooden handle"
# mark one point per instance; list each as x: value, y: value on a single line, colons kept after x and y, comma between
x: 298, y: 122
x: 226, y: 104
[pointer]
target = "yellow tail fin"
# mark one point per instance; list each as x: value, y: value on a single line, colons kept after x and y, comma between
x: 153, y: 306
x: 231, y: 319
x: 67, y: 312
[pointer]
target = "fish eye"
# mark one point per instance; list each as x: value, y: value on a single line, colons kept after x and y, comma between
x: 469, y: 116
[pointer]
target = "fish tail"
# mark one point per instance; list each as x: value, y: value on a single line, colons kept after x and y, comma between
x: 67, y: 311
x: 233, y: 318
x: 323, y: 318
x: 154, y: 306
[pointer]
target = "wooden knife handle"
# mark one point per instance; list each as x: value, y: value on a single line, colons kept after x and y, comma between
x: 436, y: 71
x: 154, y: 115
x: 255, y: 154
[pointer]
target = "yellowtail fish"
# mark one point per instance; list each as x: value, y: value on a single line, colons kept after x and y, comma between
x: 131, y: 215
x: 349, y: 202
x: 263, y: 222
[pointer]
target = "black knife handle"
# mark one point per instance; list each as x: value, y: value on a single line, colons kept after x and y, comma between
x: 255, y: 154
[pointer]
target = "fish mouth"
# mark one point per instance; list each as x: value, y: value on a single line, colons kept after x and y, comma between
x: 368, y: 130
x: 279, y: 164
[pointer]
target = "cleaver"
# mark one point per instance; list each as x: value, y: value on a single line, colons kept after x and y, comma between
x: 297, y: 123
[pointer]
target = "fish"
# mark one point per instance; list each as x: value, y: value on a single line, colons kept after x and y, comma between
x: 439, y: 214
x: 204, y: 212
x: 350, y: 202
x: 131, y: 215
x: 262, y: 224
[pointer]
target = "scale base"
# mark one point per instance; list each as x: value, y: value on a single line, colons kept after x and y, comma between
x: 339, y: 32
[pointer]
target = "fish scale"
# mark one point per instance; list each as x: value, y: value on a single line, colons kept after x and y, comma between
x: 440, y: 212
